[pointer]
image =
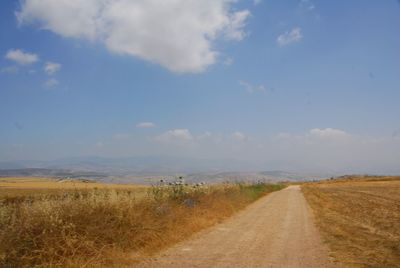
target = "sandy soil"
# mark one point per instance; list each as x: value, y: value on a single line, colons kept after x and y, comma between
x: 275, y: 231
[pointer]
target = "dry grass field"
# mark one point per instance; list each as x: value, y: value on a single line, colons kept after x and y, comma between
x: 14, y: 185
x: 359, y: 218
x: 109, y: 226
x: 24, y: 188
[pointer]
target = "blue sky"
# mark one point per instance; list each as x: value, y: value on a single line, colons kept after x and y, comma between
x: 286, y: 84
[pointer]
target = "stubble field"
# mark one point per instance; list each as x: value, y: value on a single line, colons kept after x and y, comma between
x: 359, y: 218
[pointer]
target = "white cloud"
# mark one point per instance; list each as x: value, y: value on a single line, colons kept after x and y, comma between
x: 317, y: 136
x: 21, y: 57
x: 175, y: 136
x: 176, y: 34
x: 252, y: 88
x: 204, y: 136
x: 236, y: 24
x: 328, y: 133
x: 290, y: 37
x: 145, y: 125
x: 50, y: 83
x: 239, y: 136
x: 51, y: 67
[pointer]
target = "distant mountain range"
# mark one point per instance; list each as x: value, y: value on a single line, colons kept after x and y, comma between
x: 133, y: 165
x: 139, y: 168
x: 43, y: 172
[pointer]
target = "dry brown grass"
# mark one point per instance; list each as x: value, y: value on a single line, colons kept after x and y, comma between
x: 359, y: 218
x: 36, y: 183
x: 24, y: 188
x: 112, y: 227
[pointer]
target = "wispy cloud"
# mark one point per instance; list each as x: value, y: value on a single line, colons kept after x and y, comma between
x: 239, y: 136
x: 250, y: 88
x: 9, y: 70
x: 204, y: 136
x: 21, y: 57
x: 175, y: 136
x: 51, y: 67
x: 328, y: 133
x: 234, y: 30
x: 307, y: 5
x: 228, y: 61
x: 145, y: 125
x: 289, y: 37
x: 318, y: 135
x: 51, y: 83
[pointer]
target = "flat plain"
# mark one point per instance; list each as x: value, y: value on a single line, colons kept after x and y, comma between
x: 359, y: 219
x: 14, y: 187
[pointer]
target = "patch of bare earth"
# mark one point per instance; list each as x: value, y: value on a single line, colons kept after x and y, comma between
x: 359, y: 219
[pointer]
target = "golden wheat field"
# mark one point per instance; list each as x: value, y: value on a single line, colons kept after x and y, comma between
x: 23, y: 187
x: 96, y: 225
x: 37, y: 183
x: 359, y: 218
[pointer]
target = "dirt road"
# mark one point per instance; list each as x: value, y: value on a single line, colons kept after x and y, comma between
x: 275, y: 231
